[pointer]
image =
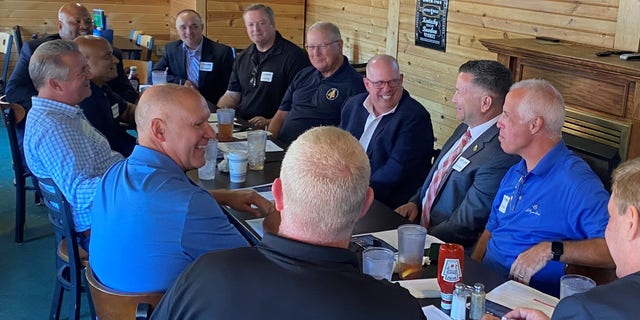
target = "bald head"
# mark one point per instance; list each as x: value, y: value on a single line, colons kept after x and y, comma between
x: 100, y: 58
x: 74, y: 20
x: 325, y: 186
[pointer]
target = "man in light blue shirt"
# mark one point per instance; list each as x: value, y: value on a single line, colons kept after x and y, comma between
x: 149, y: 219
x: 59, y: 142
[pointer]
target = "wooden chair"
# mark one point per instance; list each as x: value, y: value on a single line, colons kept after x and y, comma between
x: 12, y: 114
x: 146, y: 41
x: 143, y: 69
x: 112, y: 304
x: 71, y: 260
x: 6, y: 40
x: 134, y: 36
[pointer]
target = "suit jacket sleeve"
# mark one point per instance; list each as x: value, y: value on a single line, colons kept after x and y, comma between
x: 20, y: 88
x: 166, y: 62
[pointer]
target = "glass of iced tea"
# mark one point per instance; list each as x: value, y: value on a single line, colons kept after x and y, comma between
x: 225, y: 124
x: 411, y: 239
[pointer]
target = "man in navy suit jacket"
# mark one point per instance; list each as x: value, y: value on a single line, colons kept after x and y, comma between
x: 462, y: 204
x: 393, y: 128
x: 195, y: 61
x: 616, y: 300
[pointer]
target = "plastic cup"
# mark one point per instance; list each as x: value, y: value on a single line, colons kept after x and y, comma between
x: 377, y: 262
x: 237, y: 166
x: 571, y: 284
x: 411, y: 238
x: 256, y: 144
x: 225, y: 124
x: 208, y: 171
x: 158, y: 77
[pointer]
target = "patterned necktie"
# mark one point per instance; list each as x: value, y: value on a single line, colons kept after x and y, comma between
x: 193, y: 68
x: 436, y: 181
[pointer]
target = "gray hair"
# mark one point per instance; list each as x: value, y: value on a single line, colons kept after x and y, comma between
x: 626, y: 185
x: 325, y: 180
x: 541, y: 99
x: 263, y: 8
x: 327, y: 26
x: 46, y: 62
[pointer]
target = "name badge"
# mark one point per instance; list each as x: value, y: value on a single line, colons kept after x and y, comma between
x: 266, y: 76
x: 206, y: 66
x: 504, y: 203
x: 115, y: 110
x: 460, y: 164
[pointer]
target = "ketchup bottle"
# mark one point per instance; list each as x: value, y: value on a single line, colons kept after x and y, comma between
x: 450, y: 265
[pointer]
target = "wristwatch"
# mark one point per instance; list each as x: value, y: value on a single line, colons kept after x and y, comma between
x: 557, y: 249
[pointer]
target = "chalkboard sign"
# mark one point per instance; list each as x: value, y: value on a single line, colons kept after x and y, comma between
x: 431, y: 24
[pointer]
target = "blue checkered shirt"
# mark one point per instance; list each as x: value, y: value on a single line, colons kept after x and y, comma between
x: 59, y: 143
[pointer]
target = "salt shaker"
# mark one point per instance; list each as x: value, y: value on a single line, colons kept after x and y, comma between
x: 458, y: 302
x: 477, y: 309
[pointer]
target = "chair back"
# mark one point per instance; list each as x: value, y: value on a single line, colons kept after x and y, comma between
x: 6, y: 41
x: 146, y: 41
x: 13, y: 113
x: 17, y: 37
x: 112, y: 304
x: 61, y: 219
x: 143, y: 69
x: 133, y: 34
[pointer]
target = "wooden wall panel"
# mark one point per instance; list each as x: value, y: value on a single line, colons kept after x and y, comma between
x: 225, y: 23
x: 430, y: 75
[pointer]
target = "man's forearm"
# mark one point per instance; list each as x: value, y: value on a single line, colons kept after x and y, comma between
x: 590, y: 252
x: 228, y: 100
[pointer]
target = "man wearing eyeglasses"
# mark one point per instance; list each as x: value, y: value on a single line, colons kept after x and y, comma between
x: 550, y: 209
x: 317, y: 93
x: 455, y: 200
x: 393, y: 128
x: 262, y: 72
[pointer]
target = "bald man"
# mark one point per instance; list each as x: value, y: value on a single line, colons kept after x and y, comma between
x: 195, y: 61
x: 306, y: 270
x: 149, y: 220
x: 393, y: 128
x: 104, y: 109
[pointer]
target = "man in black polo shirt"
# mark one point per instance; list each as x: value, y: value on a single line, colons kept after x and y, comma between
x: 304, y: 270
x: 317, y: 93
x: 262, y: 73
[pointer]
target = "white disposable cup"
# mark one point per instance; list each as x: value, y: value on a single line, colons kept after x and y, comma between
x: 237, y: 166
x: 378, y: 262
x: 411, y: 238
x: 208, y: 171
x: 571, y: 284
x: 256, y: 144
x: 158, y: 77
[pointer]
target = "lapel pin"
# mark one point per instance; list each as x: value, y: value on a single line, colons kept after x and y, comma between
x: 475, y: 148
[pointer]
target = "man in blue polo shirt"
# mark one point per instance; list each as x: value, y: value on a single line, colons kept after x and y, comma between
x: 550, y: 209
x: 316, y: 95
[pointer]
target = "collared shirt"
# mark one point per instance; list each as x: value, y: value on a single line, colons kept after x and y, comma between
x: 61, y: 144
x: 372, y: 123
x: 310, y: 281
x: 560, y: 199
x: 313, y: 100
x: 150, y: 221
x: 192, y: 59
x: 273, y: 74
x: 475, y: 133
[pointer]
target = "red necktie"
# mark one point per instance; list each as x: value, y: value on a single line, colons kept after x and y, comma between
x: 436, y: 181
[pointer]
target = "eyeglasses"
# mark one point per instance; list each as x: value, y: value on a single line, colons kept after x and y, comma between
x: 320, y: 47
x: 516, y: 195
x: 393, y: 83
x: 254, y: 77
